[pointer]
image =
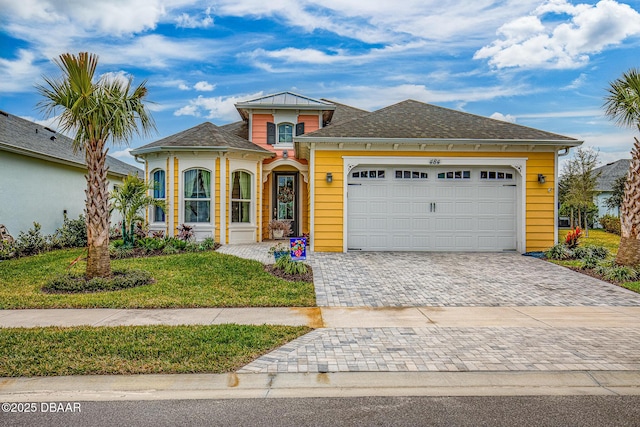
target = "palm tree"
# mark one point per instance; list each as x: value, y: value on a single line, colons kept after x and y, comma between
x: 98, y: 112
x: 129, y: 199
x: 622, y: 104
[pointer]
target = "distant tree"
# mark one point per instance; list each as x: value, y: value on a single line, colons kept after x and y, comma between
x: 617, y: 194
x: 622, y: 104
x: 577, y: 187
x: 97, y: 111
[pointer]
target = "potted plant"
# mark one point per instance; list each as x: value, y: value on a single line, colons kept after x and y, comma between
x: 279, y: 250
x: 279, y: 229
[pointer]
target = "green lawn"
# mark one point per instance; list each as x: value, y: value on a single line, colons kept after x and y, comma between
x: 136, y: 349
x: 201, y: 279
x: 598, y: 238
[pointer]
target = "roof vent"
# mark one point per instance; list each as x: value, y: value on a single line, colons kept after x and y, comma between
x: 53, y: 138
x: 50, y: 130
x: 4, y: 114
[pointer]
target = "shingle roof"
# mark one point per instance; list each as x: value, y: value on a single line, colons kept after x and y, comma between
x: 240, y: 129
x: 412, y: 119
x: 34, y: 140
x: 204, y: 135
x: 610, y: 172
x: 344, y: 112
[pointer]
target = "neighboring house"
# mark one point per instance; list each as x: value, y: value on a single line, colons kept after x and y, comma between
x: 41, y: 178
x: 604, y: 187
x: 411, y: 176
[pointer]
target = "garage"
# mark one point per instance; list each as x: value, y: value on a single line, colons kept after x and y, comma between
x: 431, y: 208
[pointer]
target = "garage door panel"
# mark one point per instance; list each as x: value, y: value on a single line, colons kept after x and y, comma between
x: 419, y: 213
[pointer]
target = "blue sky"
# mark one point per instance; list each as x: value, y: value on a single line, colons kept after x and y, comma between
x: 544, y: 64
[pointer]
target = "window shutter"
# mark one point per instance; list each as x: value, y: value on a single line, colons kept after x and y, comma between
x: 300, y: 129
x: 271, y: 133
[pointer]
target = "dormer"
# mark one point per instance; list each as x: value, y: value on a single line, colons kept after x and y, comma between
x: 273, y: 120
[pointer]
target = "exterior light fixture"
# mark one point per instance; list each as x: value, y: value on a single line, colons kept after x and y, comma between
x: 541, y: 179
x: 329, y: 178
x: 285, y: 154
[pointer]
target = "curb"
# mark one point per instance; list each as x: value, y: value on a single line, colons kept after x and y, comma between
x: 339, y: 384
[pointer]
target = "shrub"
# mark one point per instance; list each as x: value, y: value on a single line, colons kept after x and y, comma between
x: 151, y: 244
x: 599, y: 252
x: 589, y: 262
x: 8, y: 250
x: 289, y: 266
x: 208, y: 244
x: 72, y: 233
x: 170, y: 250
x: 77, y: 283
x: 559, y: 252
x: 185, y: 232
x: 176, y: 243
x: 120, y: 252
x: 610, y: 224
x: 573, y: 238
x: 620, y: 274
x: 32, y: 242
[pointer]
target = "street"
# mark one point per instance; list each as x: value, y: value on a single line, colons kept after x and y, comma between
x: 363, y: 411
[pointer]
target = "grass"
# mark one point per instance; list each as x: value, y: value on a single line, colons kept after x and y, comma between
x: 200, y: 279
x: 598, y: 237
x: 56, y: 351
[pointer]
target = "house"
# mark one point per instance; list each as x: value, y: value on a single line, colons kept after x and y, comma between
x: 41, y: 178
x: 408, y: 177
x: 609, y: 173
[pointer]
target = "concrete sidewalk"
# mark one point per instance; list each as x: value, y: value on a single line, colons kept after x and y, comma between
x: 335, y: 317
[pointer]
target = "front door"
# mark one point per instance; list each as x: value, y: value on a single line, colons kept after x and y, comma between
x: 286, y: 199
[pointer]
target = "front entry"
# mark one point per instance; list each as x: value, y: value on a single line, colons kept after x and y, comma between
x: 286, y: 199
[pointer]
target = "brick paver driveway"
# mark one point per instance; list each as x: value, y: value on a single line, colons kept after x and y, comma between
x: 384, y: 279
x: 399, y: 279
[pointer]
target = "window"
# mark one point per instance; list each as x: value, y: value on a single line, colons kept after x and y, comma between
x: 241, y: 197
x: 455, y: 175
x: 411, y: 174
x: 285, y: 133
x: 495, y: 175
x: 197, y: 195
x: 379, y: 174
x: 159, y: 182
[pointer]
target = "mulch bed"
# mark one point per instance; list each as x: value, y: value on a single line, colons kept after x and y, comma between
x: 307, y: 277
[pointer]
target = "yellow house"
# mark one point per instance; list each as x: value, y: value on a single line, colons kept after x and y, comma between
x: 408, y: 177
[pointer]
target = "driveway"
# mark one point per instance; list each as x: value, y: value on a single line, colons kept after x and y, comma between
x: 406, y: 279
x: 436, y: 279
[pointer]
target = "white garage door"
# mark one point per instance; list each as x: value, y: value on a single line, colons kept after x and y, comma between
x: 397, y: 208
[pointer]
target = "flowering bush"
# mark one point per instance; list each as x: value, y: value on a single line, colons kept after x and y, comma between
x: 573, y: 237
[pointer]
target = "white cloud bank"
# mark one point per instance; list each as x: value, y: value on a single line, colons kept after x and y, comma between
x: 545, y: 40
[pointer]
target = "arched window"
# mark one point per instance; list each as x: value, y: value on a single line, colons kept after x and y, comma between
x: 159, y: 182
x: 197, y: 195
x: 241, y: 197
x: 285, y: 133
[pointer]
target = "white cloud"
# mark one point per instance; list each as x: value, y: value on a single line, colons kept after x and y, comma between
x: 577, y: 83
x: 108, y: 16
x: 187, y: 21
x: 125, y: 156
x: 18, y: 75
x: 220, y: 108
x: 503, y: 117
x: 539, y: 41
x: 204, y: 86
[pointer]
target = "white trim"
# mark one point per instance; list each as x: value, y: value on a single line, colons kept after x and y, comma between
x: 259, y: 208
x: 268, y: 168
x: 250, y: 126
x: 517, y: 163
x: 312, y: 197
x: 223, y: 200
x: 555, y: 200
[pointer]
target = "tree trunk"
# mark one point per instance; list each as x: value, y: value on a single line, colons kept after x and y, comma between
x: 97, y: 207
x: 629, y: 250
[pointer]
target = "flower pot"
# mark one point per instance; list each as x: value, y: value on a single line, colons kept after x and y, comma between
x: 278, y: 234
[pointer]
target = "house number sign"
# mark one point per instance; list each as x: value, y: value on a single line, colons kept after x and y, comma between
x: 434, y: 161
